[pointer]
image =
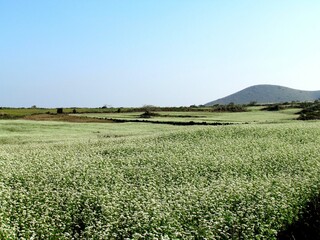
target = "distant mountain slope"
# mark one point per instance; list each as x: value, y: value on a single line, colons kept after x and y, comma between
x: 267, y: 94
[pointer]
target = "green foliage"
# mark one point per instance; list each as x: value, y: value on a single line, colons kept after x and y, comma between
x: 252, y: 103
x: 274, y: 107
x: 307, y: 227
x: 107, y: 181
x: 148, y: 114
x: 253, y: 115
x: 310, y: 112
x: 231, y: 107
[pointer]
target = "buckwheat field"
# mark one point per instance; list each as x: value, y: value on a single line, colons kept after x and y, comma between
x: 144, y: 181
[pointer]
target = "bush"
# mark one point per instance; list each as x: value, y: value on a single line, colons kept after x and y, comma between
x: 311, y: 112
x: 148, y: 114
x: 275, y: 107
x: 229, y: 108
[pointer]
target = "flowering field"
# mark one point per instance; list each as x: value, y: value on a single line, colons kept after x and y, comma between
x: 253, y: 115
x: 145, y: 181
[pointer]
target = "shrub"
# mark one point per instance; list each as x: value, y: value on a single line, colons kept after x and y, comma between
x: 229, y: 108
x: 276, y: 107
x: 311, y: 112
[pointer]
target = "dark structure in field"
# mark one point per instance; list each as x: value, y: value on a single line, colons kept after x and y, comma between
x: 59, y: 110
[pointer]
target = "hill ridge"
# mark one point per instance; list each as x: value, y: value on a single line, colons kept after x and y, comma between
x: 267, y: 93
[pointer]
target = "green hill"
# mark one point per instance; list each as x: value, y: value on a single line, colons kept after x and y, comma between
x: 267, y: 94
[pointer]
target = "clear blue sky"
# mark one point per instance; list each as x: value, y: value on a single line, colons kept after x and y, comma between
x: 158, y: 52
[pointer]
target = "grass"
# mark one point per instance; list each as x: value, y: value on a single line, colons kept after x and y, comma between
x: 63, y: 180
x: 253, y: 116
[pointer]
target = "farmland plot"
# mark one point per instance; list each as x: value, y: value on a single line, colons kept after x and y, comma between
x: 110, y: 181
x: 252, y: 116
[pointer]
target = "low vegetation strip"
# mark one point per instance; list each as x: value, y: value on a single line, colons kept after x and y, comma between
x: 84, y: 119
x: 225, y: 182
x: 185, y: 123
x: 65, y: 118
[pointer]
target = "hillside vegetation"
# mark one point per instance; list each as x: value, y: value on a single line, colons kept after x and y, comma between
x: 267, y: 94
